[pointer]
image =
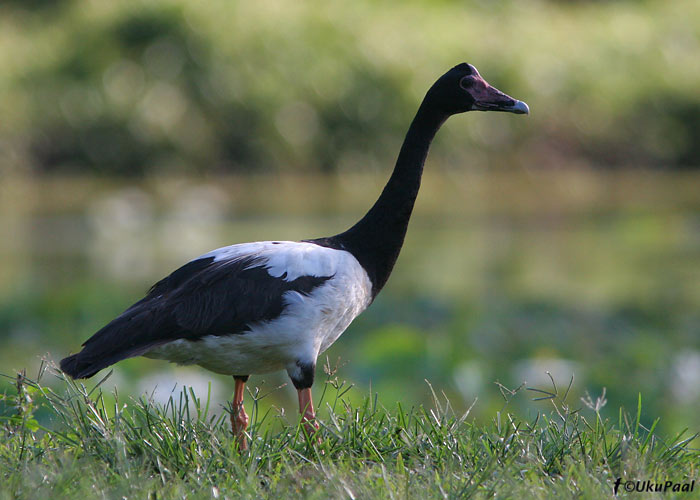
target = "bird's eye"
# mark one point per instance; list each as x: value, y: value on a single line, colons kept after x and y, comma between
x: 467, y: 82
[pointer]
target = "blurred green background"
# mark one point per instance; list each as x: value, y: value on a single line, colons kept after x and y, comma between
x: 137, y: 135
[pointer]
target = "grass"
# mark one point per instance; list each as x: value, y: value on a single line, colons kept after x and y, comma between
x: 93, y: 445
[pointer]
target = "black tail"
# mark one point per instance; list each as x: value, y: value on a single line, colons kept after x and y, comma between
x: 128, y: 335
x: 76, y: 368
x: 153, y: 320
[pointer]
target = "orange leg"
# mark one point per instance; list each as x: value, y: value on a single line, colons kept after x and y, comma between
x: 239, y: 418
x: 306, y: 408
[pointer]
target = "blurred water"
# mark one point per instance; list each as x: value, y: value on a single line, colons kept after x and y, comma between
x: 606, y: 291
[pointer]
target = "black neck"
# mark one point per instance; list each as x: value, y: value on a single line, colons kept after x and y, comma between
x: 377, y: 238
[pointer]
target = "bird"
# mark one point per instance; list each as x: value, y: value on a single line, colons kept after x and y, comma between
x: 265, y: 306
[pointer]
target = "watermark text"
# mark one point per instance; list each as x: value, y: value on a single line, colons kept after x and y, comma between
x: 648, y: 486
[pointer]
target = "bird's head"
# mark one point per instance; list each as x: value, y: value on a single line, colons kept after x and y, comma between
x: 463, y: 89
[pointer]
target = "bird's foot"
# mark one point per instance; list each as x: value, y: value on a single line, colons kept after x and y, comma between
x: 311, y: 427
x: 239, y: 424
x: 308, y: 415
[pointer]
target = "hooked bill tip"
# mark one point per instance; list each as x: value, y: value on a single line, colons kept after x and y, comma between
x: 520, y: 108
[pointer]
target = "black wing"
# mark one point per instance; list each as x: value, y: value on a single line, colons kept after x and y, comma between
x: 201, y: 298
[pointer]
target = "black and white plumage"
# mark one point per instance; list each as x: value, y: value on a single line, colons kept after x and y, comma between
x: 264, y: 306
x: 241, y: 309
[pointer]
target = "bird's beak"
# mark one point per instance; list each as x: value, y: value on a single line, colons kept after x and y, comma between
x: 488, y: 98
x: 503, y: 103
x: 518, y: 107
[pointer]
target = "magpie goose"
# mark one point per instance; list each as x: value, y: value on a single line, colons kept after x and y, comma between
x: 271, y: 305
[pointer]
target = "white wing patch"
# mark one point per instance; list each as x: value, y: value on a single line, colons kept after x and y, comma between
x: 286, y: 259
